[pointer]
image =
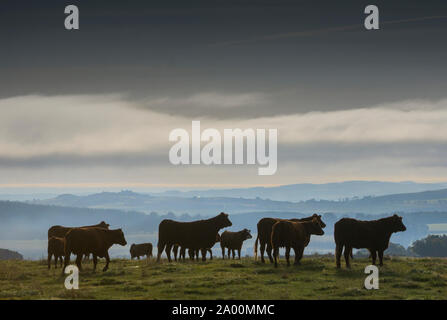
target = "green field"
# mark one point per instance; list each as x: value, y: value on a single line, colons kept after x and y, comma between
x: 316, y: 278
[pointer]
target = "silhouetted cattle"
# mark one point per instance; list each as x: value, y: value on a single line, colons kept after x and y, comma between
x: 56, y: 249
x: 142, y: 249
x: 233, y: 241
x: 97, y: 241
x: 264, y: 236
x: 294, y: 235
x: 194, y: 253
x: 373, y: 235
x: 196, y: 235
x: 61, y: 231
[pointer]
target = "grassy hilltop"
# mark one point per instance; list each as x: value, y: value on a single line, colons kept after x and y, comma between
x: 316, y: 278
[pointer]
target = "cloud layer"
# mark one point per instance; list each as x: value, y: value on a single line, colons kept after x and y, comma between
x: 108, y: 138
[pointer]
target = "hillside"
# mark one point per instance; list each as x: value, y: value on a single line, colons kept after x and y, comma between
x: 6, y: 254
x: 316, y: 278
x: 306, y: 191
x: 127, y: 200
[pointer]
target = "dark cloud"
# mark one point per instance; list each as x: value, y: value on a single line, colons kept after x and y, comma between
x: 148, y: 49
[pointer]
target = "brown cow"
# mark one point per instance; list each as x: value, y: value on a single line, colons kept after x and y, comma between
x: 56, y: 248
x: 373, y: 235
x: 294, y: 235
x: 142, y: 249
x: 83, y: 241
x: 264, y: 236
x: 233, y: 241
x: 61, y: 231
x: 197, y: 235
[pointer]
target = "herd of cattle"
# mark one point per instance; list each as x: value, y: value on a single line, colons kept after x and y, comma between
x: 200, y: 236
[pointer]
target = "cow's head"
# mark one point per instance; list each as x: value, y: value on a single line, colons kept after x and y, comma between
x: 102, y: 224
x: 397, y: 224
x: 318, y: 217
x: 315, y: 227
x: 119, y: 237
x: 246, y: 234
x: 223, y: 221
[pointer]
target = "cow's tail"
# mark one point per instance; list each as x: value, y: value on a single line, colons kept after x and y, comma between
x: 255, y: 248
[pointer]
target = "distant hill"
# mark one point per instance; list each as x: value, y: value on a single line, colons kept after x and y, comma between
x: 6, y: 254
x: 128, y: 200
x: 307, y: 191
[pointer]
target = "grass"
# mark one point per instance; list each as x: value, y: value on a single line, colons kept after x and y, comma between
x: 316, y: 278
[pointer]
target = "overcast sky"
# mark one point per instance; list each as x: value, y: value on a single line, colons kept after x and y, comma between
x: 94, y: 107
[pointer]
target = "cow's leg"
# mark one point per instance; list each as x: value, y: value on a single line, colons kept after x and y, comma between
x: 66, y: 262
x: 203, y: 254
x: 275, y: 256
x: 346, y: 254
x: 239, y: 253
x: 380, y: 257
x: 175, y: 251
x: 182, y: 254
x: 373, y: 256
x: 262, y: 249
x: 107, y: 262
x: 55, y: 261
x: 62, y: 259
x: 95, y: 262
x: 288, y: 255
x: 49, y: 260
x: 299, y: 252
x: 338, y: 251
x: 161, y: 247
x: 168, y: 251
x: 211, y: 254
x: 234, y: 253
x: 223, y: 252
x: 269, y: 251
x: 79, y: 261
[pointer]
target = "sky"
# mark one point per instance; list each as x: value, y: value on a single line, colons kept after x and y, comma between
x: 94, y: 106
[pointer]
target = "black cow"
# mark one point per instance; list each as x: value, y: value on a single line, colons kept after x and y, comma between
x: 373, y: 235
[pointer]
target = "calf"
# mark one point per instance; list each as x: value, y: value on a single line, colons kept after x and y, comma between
x: 373, y: 235
x: 194, y: 253
x: 56, y: 249
x: 233, y: 241
x: 294, y: 235
x: 142, y: 249
x: 83, y: 241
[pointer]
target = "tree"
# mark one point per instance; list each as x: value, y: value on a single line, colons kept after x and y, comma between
x: 431, y: 246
